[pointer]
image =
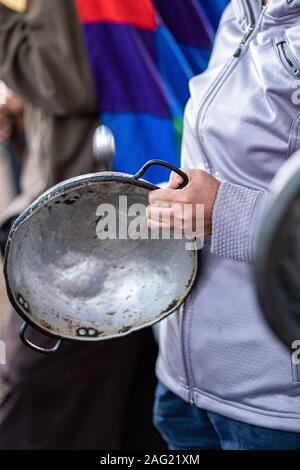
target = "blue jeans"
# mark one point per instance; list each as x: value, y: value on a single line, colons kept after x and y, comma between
x: 186, y: 427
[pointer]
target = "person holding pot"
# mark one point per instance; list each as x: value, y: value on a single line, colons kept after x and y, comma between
x: 66, y: 60
x: 225, y: 381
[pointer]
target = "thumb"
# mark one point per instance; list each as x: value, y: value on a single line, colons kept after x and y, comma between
x: 175, y: 181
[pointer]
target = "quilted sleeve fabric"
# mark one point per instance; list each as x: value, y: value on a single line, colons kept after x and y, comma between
x: 236, y: 215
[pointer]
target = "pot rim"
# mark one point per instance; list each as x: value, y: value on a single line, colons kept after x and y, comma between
x: 64, y: 188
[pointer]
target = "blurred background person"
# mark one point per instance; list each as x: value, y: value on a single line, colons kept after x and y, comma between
x: 12, y: 150
x: 12, y: 137
x: 75, y: 62
x: 12, y: 154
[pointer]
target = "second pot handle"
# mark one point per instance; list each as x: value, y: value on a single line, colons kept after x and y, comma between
x: 33, y: 346
x: 171, y: 167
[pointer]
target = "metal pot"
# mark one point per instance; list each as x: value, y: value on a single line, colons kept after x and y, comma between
x: 67, y: 284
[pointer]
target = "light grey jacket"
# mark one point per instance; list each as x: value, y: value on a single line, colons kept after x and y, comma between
x: 241, y: 124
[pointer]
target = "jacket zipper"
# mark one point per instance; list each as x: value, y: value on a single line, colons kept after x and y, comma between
x: 218, y: 82
x: 250, y: 28
x: 249, y: 11
x: 287, y: 59
x: 215, y: 86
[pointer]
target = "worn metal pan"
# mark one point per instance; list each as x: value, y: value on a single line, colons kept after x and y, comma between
x: 68, y: 284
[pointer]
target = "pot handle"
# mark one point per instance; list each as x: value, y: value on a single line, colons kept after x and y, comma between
x: 33, y: 346
x: 171, y: 167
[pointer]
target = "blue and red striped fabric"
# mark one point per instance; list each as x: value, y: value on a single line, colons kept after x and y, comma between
x: 142, y: 55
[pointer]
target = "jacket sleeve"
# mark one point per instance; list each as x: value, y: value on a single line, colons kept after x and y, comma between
x: 237, y: 211
x: 236, y: 216
x: 43, y: 58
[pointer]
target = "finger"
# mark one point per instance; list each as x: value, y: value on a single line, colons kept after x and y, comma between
x: 3, y: 109
x: 175, y: 180
x: 160, y: 196
x: 156, y: 225
x: 5, y: 121
x: 170, y: 224
x: 159, y: 214
x: 4, y: 117
x: 5, y: 132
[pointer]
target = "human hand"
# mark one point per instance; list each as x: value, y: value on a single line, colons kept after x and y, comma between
x: 6, y: 122
x: 14, y: 103
x: 18, y: 5
x: 12, y: 108
x: 168, y: 204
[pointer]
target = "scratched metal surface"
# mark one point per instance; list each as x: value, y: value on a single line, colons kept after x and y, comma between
x: 71, y: 284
